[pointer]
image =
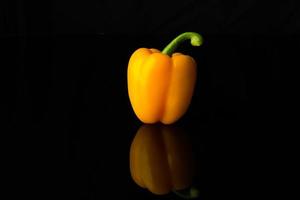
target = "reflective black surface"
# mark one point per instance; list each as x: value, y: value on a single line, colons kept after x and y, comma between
x: 68, y: 93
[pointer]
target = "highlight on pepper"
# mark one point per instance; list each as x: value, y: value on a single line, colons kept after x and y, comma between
x: 162, y: 161
x: 161, y: 84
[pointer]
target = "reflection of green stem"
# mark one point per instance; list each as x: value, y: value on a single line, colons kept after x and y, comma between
x: 191, y: 194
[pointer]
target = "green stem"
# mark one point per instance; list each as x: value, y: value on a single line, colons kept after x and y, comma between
x: 196, y: 40
x: 192, y: 193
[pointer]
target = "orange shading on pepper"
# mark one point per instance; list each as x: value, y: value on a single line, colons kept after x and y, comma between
x: 161, y: 84
x: 161, y: 160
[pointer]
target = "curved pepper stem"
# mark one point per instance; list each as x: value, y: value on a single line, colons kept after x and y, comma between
x: 192, y: 193
x: 196, y: 40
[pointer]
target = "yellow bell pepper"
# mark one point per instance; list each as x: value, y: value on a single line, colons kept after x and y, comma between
x: 161, y: 160
x: 161, y: 84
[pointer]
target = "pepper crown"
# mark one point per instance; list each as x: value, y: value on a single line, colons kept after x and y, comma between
x: 196, y: 40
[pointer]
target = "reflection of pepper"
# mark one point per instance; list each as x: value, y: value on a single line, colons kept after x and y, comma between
x: 161, y: 84
x: 161, y: 159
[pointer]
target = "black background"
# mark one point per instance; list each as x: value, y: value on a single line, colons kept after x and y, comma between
x: 65, y: 93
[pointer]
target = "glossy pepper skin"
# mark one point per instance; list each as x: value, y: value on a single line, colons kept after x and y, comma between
x: 161, y: 84
x: 161, y: 159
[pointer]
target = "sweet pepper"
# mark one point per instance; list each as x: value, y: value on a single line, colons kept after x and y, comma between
x: 161, y: 160
x: 161, y: 84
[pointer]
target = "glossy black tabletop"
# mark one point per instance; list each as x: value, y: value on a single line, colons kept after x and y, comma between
x: 69, y: 94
